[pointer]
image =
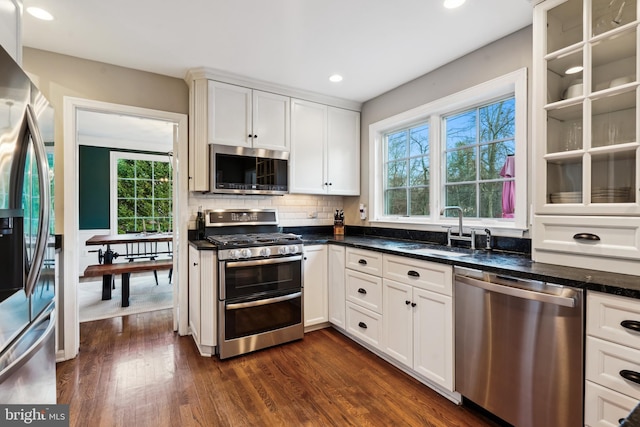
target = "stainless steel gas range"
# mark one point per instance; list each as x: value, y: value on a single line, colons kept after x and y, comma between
x: 260, y: 284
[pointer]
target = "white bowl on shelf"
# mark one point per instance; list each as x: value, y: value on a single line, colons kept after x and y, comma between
x: 574, y: 90
x: 621, y: 81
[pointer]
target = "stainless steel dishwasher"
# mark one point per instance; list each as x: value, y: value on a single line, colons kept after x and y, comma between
x: 519, y: 348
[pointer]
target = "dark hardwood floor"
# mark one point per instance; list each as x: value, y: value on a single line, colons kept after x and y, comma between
x: 135, y: 371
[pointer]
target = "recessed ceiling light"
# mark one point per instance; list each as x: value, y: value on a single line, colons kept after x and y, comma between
x: 574, y: 70
x: 39, y: 13
x: 335, y: 78
x: 452, y: 4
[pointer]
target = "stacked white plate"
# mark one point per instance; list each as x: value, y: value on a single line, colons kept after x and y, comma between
x: 566, y: 197
x: 611, y: 195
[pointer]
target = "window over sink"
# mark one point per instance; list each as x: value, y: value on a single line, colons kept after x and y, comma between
x: 461, y: 150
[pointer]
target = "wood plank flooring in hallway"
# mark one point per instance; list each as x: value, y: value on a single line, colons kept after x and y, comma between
x: 135, y: 371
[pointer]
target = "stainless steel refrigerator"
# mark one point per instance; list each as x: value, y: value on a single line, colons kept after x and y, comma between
x: 27, y: 285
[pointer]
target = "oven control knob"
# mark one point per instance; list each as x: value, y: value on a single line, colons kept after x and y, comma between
x: 265, y: 252
x: 294, y: 249
x: 283, y: 250
x: 233, y: 254
x: 245, y: 253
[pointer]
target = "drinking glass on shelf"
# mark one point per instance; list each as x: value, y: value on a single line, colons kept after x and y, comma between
x: 574, y: 137
x: 612, y: 133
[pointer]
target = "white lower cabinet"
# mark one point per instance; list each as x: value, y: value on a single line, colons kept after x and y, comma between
x: 203, y: 299
x: 316, y: 293
x: 612, y: 365
x: 337, y: 306
x: 364, y: 324
x: 418, y: 323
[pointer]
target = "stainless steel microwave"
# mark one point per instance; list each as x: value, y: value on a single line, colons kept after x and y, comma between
x: 240, y: 170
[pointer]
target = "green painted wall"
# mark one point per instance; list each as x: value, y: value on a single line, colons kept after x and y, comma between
x: 94, y: 187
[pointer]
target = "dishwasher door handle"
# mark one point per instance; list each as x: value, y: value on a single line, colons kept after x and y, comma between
x: 565, y: 301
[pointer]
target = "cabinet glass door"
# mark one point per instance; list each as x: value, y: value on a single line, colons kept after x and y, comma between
x: 590, y: 104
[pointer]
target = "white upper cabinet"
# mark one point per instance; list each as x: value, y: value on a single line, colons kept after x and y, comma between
x: 585, y: 107
x: 10, y: 28
x: 245, y: 117
x: 325, y: 149
x: 585, y: 133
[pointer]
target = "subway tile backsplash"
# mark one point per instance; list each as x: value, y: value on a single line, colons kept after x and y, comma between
x: 293, y: 209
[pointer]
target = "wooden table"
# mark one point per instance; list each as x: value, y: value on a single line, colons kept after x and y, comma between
x: 109, y: 255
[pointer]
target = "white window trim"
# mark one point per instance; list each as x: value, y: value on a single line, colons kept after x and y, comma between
x: 514, y: 82
x: 113, y: 180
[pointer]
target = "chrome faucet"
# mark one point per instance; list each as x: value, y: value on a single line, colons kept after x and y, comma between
x: 460, y: 236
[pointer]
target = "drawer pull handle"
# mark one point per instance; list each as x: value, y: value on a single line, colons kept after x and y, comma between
x: 586, y: 236
x: 362, y: 325
x: 362, y: 291
x: 362, y: 262
x: 407, y: 302
x: 413, y: 273
x: 630, y: 376
x: 634, y: 325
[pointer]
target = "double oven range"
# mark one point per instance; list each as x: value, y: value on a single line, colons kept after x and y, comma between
x: 260, y: 283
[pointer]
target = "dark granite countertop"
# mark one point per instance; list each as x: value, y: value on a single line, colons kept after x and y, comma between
x: 633, y: 419
x: 507, y: 263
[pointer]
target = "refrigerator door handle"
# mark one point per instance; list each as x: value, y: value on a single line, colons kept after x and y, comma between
x: 43, y: 176
x: 27, y: 355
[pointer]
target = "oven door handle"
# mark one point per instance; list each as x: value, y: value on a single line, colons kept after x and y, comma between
x: 258, y: 303
x: 252, y: 263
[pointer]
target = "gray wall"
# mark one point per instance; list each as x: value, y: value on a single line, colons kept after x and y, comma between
x: 496, y: 59
x: 59, y: 75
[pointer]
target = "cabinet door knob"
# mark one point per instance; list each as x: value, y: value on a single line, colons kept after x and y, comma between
x: 195, y: 263
x: 249, y: 136
x: 413, y: 273
x: 362, y: 325
x: 586, y: 236
x: 326, y: 183
x: 362, y: 262
x: 362, y: 291
x: 255, y: 136
x: 634, y: 325
x: 413, y: 304
x: 407, y: 302
x: 331, y: 183
x: 630, y: 376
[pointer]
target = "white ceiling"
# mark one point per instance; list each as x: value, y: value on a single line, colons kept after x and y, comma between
x: 376, y: 45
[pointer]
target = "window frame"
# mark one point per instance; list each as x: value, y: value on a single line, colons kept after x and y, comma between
x: 514, y: 83
x: 114, y: 156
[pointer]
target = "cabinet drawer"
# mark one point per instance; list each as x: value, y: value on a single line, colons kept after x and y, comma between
x: 604, y: 407
x: 366, y: 261
x: 618, y: 236
x: 427, y: 275
x: 364, y: 324
x: 607, y: 313
x: 605, y: 363
x: 364, y: 290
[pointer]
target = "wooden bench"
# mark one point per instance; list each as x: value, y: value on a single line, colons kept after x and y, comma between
x: 125, y: 269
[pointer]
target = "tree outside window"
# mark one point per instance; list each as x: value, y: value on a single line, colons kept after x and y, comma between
x: 144, y: 195
x: 478, y: 143
x: 407, y: 172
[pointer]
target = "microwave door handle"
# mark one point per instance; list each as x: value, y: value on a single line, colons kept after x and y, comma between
x: 43, y: 181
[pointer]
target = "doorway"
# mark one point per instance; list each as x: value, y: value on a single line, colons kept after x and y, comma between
x: 76, y: 134
x: 125, y: 186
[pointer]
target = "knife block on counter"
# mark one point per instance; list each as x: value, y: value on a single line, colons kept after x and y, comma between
x: 338, y: 228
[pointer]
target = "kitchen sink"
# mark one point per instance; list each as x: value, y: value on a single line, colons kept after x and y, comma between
x: 428, y: 251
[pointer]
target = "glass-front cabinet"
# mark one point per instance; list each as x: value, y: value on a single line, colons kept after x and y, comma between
x: 585, y: 107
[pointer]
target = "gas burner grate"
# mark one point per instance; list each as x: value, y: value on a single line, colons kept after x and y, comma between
x: 254, y: 239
